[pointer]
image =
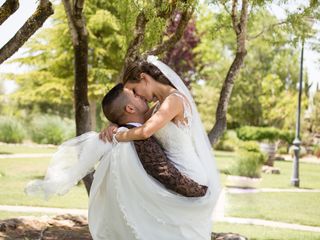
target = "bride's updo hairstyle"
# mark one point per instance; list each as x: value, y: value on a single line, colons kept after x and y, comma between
x: 134, y: 69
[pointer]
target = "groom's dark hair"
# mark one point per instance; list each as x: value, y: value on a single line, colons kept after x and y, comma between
x: 113, y: 104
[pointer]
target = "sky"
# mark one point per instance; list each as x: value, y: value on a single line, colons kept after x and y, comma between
x: 27, y: 7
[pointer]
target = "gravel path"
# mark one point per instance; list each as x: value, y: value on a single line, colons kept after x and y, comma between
x: 29, y: 209
x: 217, y: 218
x: 26, y: 155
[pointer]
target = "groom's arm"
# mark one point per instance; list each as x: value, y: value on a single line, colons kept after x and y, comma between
x: 156, y: 164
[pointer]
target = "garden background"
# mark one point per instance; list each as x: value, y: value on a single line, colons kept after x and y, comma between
x: 241, y: 61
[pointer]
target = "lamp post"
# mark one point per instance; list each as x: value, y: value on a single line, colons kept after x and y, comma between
x: 295, y: 181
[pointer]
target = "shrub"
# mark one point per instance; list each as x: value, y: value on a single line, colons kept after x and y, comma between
x: 11, y: 130
x: 248, y: 164
x: 287, y: 136
x: 228, y: 141
x: 248, y: 133
x: 282, y: 150
x: 250, y: 146
x: 316, y: 150
x: 51, y: 129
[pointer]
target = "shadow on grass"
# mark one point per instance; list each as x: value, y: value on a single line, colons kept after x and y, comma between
x: 5, y: 153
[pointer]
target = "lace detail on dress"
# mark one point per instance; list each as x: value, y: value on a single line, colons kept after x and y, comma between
x: 185, y: 125
x: 187, y: 113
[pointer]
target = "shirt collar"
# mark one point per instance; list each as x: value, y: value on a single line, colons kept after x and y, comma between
x: 135, y: 124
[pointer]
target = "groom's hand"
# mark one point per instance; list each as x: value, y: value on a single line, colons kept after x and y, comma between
x: 106, y: 134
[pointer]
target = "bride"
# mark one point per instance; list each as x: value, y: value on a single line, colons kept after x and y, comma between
x: 124, y: 202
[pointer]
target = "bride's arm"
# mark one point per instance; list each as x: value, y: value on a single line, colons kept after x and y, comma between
x: 169, y: 109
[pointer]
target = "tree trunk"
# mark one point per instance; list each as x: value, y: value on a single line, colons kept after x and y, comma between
x: 79, y: 37
x: 221, y: 119
x: 93, y: 113
x: 82, y: 107
x: 240, y: 28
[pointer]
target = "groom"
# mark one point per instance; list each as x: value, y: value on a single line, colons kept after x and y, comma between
x: 123, y: 107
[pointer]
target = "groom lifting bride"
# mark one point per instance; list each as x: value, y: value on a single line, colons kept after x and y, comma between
x: 123, y: 107
x: 157, y: 179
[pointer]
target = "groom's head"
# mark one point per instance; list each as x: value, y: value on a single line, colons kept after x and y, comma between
x: 120, y: 105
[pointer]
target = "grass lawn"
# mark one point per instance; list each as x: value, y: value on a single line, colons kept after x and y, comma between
x: 264, y: 233
x: 287, y: 207
x: 6, y: 215
x: 309, y: 176
x: 16, y: 173
x: 309, y: 172
x: 15, y: 148
x: 300, y: 208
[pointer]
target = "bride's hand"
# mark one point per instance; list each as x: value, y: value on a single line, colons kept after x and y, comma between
x: 107, y: 133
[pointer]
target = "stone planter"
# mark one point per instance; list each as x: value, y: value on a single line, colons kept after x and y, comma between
x: 242, y: 182
x: 270, y: 149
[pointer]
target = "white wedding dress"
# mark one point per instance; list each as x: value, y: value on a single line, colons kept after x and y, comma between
x: 126, y: 203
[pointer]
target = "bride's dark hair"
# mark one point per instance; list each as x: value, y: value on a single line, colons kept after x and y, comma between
x: 134, y: 69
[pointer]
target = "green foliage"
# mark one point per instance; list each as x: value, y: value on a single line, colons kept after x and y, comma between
x: 212, y: 54
x: 11, y: 130
x: 316, y: 150
x: 51, y: 129
x: 315, y: 116
x: 287, y: 136
x: 271, y: 134
x: 206, y: 98
x: 248, y: 164
x: 282, y: 150
x: 248, y: 133
x: 265, y: 91
x: 250, y: 146
x: 49, y: 83
x: 227, y: 142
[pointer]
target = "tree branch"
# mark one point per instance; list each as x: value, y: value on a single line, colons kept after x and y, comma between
x: 78, y: 7
x: 244, y: 14
x: 241, y: 36
x: 133, y: 48
x: 69, y: 10
x: 7, y: 9
x: 140, y: 28
x: 265, y: 29
x: 234, y: 16
x: 176, y: 36
x: 164, y: 13
x: 43, y: 11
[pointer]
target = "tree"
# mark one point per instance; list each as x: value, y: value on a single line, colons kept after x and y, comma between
x: 181, y: 58
x: 315, y: 116
x: 239, y: 24
x: 292, y: 24
x: 43, y: 11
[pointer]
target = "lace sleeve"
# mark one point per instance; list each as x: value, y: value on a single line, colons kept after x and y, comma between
x: 187, y: 112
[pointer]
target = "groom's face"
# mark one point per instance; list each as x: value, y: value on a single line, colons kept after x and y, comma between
x: 139, y: 102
